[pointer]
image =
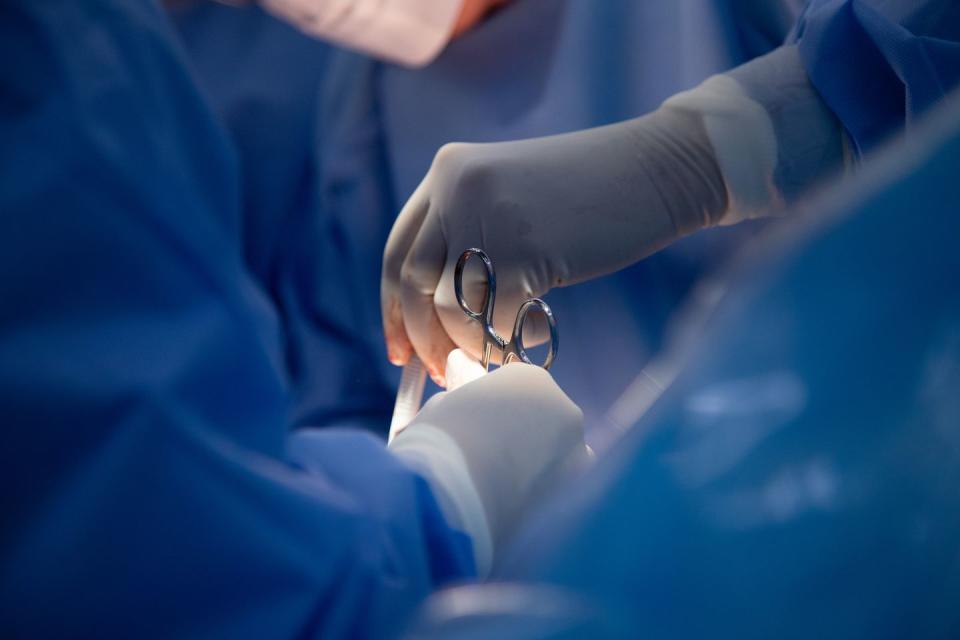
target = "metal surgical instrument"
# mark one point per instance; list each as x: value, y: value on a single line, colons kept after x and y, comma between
x: 413, y: 378
x: 512, y: 349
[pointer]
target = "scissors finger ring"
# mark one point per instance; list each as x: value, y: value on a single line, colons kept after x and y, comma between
x: 512, y: 349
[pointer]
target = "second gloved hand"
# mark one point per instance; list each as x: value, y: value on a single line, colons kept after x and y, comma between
x: 491, y: 447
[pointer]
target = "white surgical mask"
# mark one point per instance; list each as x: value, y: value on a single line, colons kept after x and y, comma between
x: 410, y: 32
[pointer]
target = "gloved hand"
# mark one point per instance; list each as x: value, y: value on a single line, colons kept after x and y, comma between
x: 491, y: 447
x: 559, y: 210
x: 549, y: 212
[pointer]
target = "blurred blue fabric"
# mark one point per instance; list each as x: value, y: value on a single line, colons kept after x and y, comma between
x: 880, y: 64
x: 801, y: 478
x: 263, y: 78
x: 146, y: 487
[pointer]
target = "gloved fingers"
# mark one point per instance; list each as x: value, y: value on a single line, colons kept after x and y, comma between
x: 533, y: 388
x: 517, y: 389
x: 402, y: 236
x: 419, y: 277
x: 547, y: 399
x: 534, y: 399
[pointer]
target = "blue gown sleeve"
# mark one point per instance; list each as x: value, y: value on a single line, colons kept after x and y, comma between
x: 147, y: 489
x: 879, y: 65
x: 265, y: 80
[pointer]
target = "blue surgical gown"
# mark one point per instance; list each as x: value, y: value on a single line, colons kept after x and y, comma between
x: 801, y: 478
x: 146, y: 486
x: 263, y: 79
x: 880, y: 64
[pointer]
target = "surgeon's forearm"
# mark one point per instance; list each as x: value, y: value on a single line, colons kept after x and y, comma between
x: 740, y: 145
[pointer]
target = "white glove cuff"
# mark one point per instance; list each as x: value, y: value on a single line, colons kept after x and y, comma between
x: 436, y: 455
x: 410, y: 32
x: 744, y: 144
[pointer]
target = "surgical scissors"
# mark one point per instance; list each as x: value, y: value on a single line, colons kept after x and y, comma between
x: 410, y: 392
x: 512, y: 349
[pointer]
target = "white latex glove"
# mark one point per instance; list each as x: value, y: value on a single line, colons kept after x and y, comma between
x: 559, y: 210
x: 490, y: 448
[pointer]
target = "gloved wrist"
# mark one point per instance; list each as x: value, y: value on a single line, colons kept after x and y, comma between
x: 491, y: 449
x: 675, y: 152
x: 811, y: 143
x: 769, y: 132
x: 435, y: 456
